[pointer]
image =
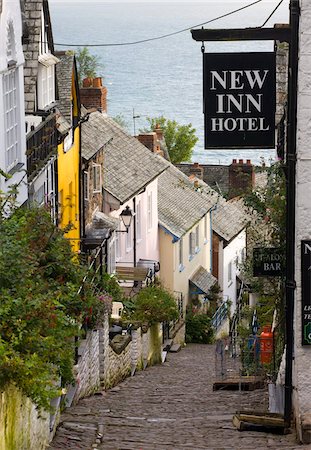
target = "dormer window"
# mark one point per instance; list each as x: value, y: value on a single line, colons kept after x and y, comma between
x: 46, y: 80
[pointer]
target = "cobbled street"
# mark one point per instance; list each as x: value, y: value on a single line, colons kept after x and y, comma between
x: 168, y: 407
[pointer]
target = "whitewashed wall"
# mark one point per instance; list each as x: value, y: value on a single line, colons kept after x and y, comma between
x: 232, y: 253
x: 302, y: 361
x: 147, y: 244
x: 11, y: 13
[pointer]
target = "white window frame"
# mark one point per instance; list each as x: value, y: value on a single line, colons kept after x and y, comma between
x: 86, y: 185
x: 191, y: 245
x: 149, y: 211
x: 138, y: 222
x: 181, y: 254
x: 229, y: 274
x: 97, y: 178
x: 205, y: 230
x: 197, y: 239
x: 112, y: 256
x: 118, y: 244
x: 11, y: 118
x: 46, y: 84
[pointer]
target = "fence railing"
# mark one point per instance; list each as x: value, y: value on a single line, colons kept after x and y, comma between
x: 41, y: 145
x: 220, y: 315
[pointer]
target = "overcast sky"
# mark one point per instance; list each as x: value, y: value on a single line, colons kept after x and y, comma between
x: 164, y: 1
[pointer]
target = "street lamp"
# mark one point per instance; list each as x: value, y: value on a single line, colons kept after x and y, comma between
x: 126, y: 216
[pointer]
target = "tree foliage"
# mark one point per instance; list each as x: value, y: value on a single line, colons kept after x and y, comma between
x: 41, y: 310
x: 88, y: 65
x: 180, y: 139
x: 154, y: 304
x: 268, y: 229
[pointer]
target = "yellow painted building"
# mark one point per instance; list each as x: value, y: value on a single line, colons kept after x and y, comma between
x: 68, y: 160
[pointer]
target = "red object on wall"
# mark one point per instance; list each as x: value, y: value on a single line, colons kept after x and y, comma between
x: 266, y: 345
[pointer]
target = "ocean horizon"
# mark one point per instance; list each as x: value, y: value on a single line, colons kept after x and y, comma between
x: 163, y: 76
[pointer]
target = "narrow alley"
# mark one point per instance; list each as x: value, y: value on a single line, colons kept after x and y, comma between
x: 168, y: 407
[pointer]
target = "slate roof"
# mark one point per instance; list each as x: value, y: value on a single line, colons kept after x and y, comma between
x: 229, y: 219
x: 64, y: 83
x: 129, y: 165
x: 181, y: 206
x: 32, y: 22
x: 203, y: 280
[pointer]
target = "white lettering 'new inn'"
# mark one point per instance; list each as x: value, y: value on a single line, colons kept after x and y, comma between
x: 231, y: 103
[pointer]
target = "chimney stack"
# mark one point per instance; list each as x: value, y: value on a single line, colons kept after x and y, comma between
x: 241, y: 177
x: 150, y: 141
x: 93, y: 94
x: 197, y: 170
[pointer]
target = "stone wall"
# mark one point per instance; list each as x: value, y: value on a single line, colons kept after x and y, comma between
x: 126, y: 354
x: 87, y: 370
x: 100, y: 362
x: 22, y: 427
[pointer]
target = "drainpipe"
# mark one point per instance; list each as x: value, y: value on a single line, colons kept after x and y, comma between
x: 211, y: 234
x: 134, y: 232
x: 290, y: 205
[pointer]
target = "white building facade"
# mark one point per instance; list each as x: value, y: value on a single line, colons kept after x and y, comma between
x: 302, y: 360
x: 12, y: 113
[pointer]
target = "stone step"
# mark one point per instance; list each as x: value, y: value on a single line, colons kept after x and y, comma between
x: 175, y: 348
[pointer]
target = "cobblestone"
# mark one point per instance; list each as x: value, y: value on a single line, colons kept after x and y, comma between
x: 168, y: 407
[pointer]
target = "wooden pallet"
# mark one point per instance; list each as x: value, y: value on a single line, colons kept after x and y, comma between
x: 242, y: 383
x: 259, y: 421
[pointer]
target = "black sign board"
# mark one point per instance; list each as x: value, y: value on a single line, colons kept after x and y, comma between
x: 267, y: 262
x: 306, y: 291
x: 239, y: 91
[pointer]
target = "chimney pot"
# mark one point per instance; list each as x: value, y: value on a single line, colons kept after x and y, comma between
x: 234, y: 161
x: 240, y: 161
x: 248, y: 162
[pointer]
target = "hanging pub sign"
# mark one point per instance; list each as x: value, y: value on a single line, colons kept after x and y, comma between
x: 267, y: 262
x: 239, y: 91
x: 306, y: 291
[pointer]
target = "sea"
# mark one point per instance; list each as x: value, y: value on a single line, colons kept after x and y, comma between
x: 162, y: 76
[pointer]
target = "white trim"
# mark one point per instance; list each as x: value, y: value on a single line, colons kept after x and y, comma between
x: 11, y: 118
x: 96, y: 188
x: 86, y: 185
x: 47, y: 59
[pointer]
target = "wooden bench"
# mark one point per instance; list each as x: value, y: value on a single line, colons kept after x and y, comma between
x: 132, y: 273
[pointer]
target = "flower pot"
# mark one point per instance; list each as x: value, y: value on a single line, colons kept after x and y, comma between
x: 87, y: 82
x: 97, y: 82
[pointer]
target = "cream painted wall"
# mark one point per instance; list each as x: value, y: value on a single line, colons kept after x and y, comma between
x: 174, y: 276
x: 232, y: 253
x: 167, y: 259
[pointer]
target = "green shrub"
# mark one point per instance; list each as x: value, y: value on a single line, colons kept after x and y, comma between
x: 154, y: 304
x: 198, y: 329
x: 41, y: 310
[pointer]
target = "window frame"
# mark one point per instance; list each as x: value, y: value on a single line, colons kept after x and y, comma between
x: 181, y: 255
x: 11, y: 118
x: 86, y: 185
x: 96, y: 189
x: 138, y: 222
x: 197, y: 239
x: 191, y: 245
x: 229, y: 273
x: 149, y: 211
